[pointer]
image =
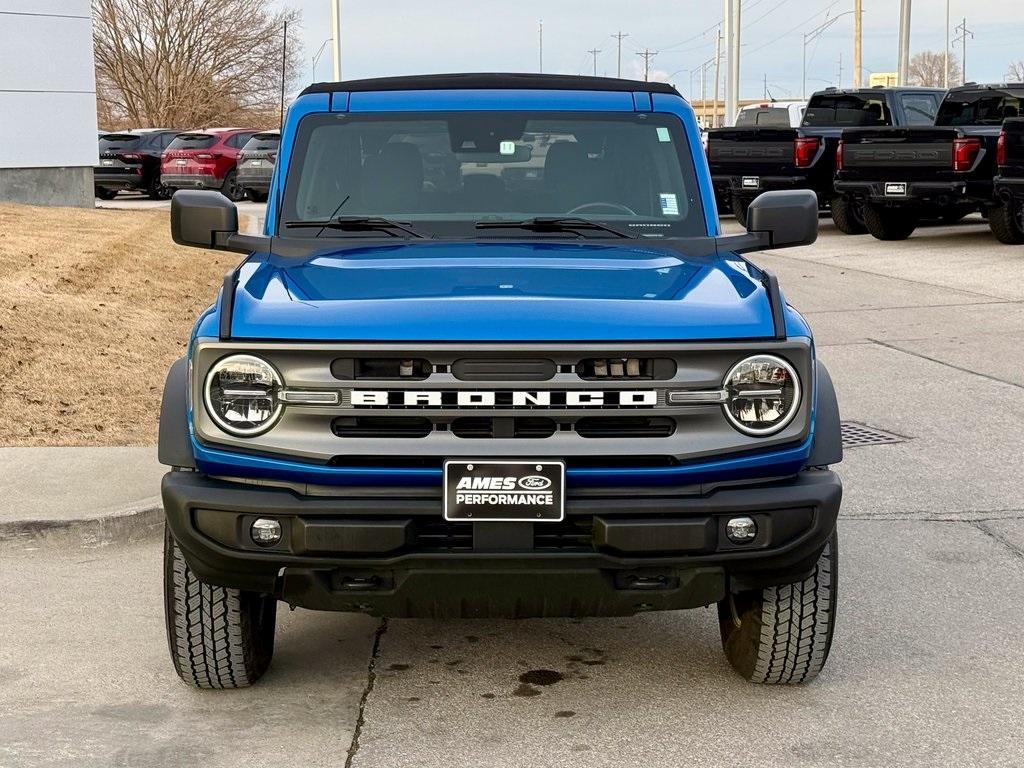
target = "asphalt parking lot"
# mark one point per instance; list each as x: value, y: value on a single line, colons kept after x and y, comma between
x: 923, y: 341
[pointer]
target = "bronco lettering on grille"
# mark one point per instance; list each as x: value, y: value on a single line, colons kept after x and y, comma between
x: 421, y: 398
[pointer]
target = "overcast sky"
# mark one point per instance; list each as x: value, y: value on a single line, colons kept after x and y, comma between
x: 389, y: 37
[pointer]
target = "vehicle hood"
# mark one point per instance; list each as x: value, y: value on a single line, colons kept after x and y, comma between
x: 507, y: 291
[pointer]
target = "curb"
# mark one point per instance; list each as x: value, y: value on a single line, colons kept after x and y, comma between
x: 139, y: 520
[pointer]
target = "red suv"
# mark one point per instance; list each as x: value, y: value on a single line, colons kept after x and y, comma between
x: 205, y: 159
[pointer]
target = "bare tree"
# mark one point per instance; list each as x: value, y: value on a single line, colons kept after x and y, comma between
x: 926, y: 69
x: 1015, y: 71
x: 191, y: 63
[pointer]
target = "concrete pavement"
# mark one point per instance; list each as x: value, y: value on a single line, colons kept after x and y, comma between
x: 927, y: 668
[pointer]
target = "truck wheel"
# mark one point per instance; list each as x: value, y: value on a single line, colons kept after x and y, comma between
x: 218, y: 637
x: 848, y: 215
x: 156, y: 190
x: 230, y: 188
x: 739, y: 209
x: 1007, y: 223
x: 889, y: 223
x: 256, y: 196
x: 106, y: 194
x: 783, y: 634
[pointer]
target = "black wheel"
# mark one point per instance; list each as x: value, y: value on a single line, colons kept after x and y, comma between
x: 156, y: 189
x: 889, y: 223
x: 955, y: 214
x: 739, y: 209
x: 230, y: 188
x: 848, y: 215
x: 256, y: 196
x: 218, y: 637
x: 106, y: 194
x: 783, y: 634
x: 1007, y: 222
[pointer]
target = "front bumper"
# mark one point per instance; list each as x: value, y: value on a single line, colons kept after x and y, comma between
x: 191, y: 180
x: 388, y: 551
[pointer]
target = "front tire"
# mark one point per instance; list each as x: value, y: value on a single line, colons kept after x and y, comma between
x: 782, y: 635
x: 218, y: 637
x: 1006, y: 221
x: 889, y: 223
x: 848, y: 215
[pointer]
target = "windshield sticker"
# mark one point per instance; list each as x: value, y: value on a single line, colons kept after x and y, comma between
x: 507, y: 148
x: 663, y: 134
x: 669, y: 205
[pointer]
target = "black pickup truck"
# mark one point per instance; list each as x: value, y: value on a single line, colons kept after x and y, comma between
x: 748, y: 161
x: 903, y: 175
x: 1006, y: 217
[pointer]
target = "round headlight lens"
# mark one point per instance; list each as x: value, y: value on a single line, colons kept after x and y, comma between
x: 764, y: 395
x: 241, y: 395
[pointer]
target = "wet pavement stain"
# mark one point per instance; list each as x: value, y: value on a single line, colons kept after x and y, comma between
x: 526, y: 691
x: 541, y: 677
x: 565, y: 713
x: 399, y: 667
x: 472, y: 639
x: 487, y: 695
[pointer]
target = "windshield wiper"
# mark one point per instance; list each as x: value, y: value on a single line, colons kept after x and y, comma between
x: 554, y: 224
x: 357, y: 224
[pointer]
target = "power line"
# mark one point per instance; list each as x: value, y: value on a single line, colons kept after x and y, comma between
x: 790, y: 31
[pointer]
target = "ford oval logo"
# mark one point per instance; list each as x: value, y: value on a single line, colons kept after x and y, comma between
x: 534, y: 483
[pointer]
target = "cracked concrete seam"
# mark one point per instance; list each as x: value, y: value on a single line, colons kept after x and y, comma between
x: 999, y: 537
x: 371, y: 679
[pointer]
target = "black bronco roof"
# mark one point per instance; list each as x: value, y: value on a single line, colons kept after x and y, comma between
x: 491, y: 81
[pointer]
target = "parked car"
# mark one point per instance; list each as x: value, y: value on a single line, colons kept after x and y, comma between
x: 256, y: 164
x: 206, y: 160
x: 903, y: 175
x: 131, y: 160
x: 426, y: 391
x: 747, y: 161
x: 771, y: 114
x: 1006, y: 216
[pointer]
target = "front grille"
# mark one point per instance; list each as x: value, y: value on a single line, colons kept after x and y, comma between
x: 442, y: 536
x: 625, y: 426
x: 570, y: 535
x: 382, y: 426
x: 503, y: 427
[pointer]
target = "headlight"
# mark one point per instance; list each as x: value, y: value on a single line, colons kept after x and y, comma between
x: 764, y: 395
x: 241, y: 395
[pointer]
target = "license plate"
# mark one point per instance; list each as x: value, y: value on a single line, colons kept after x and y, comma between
x: 895, y: 189
x: 181, y: 162
x: 494, y: 491
x: 255, y: 163
x: 106, y: 162
x: 751, y: 182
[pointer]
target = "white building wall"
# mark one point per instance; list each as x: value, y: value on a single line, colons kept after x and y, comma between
x: 47, y: 94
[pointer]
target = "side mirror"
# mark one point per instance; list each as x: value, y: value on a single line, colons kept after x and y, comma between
x: 202, y: 219
x: 781, y: 219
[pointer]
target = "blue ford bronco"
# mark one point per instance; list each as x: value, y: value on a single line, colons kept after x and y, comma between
x: 492, y: 356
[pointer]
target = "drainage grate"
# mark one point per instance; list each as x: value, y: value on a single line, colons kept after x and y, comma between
x: 859, y: 435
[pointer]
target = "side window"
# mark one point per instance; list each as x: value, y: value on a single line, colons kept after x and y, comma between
x: 919, y: 108
x: 239, y: 140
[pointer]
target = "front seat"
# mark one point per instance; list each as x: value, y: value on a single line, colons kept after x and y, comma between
x: 571, y: 178
x: 393, y: 179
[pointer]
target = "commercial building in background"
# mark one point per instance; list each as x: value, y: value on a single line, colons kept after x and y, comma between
x: 48, y: 102
x: 883, y: 79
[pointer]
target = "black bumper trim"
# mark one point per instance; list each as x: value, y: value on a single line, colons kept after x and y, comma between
x: 918, y: 192
x: 210, y: 520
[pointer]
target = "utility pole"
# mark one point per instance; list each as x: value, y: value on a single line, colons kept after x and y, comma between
x: 765, y: 97
x: 945, y: 52
x: 962, y: 38
x: 593, y: 52
x: 336, y: 34
x: 718, y: 76
x: 732, y: 16
x: 904, y: 48
x: 540, y: 42
x: 619, y: 36
x: 858, y: 36
x: 647, y: 54
x: 284, y: 66
x: 840, y: 76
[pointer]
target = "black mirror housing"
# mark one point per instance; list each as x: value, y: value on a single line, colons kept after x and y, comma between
x: 790, y: 217
x: 202, y: 219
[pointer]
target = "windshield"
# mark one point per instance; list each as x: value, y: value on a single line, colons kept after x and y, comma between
x: 193, y: 141
x: 773, y: 117
x: 448, y: 171
x: 986, y: 107
x: 847, y: 109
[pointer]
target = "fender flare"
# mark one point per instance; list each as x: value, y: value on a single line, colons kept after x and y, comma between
x: 174, y: 446
x: 828, y: 435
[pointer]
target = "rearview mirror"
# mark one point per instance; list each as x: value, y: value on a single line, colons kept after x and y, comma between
x: 202, y: 219
x: 781, y: 219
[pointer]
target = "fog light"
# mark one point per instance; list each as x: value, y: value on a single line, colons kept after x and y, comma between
x: 741, y: 530
x: 266, y: 532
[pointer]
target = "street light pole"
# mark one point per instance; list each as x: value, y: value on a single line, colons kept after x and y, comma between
x: 904, y: 48
x: 336, y: 38
x: 316, y: 57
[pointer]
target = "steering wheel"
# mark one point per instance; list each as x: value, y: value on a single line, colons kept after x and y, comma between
x: 617, y: 207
